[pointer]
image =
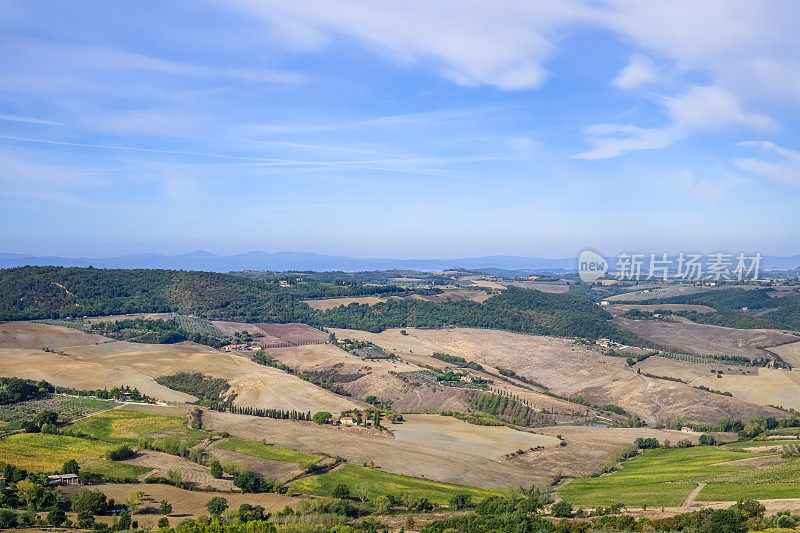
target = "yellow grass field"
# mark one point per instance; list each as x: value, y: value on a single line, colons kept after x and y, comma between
x: 42, y: 452
x: 93, y: 362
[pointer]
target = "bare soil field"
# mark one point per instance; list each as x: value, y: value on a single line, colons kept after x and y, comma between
x: 653, y: 398
x: 230, y: 328
x: 64, y: 371
x: 449, y: 295
x: 187, y: 503
x: 295, y: 333
x: 667, y: 307
x: 375, y: 377
x: 117, y: 318
x: 92, y: 366
x: 556, y: 287
x: 389, y: 454
x: 34, y: 336
x: 763, y: 386
x: 568, y: 370
x: 558, y: 364
x: 789, y: 352
x: 449, y: 434
x: 382, y: 377
x: 703, y: 339
x: 329, y: 303
x: 278, y: 470
x: 655, y: 292
x: 195, y: 475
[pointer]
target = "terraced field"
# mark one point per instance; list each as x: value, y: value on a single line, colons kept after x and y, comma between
x: 195, y: 475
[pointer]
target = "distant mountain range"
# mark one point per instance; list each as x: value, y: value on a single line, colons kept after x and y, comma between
x: 282, y: 261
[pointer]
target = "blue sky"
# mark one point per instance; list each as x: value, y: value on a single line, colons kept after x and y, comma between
x: 399, y: 129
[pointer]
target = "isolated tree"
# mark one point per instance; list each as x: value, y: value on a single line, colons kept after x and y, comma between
x: 174, y: 477
x: 341, y: 491
x: 30, y: 492
x: 134, y: 500
x: 322, y: 417
x: 217, y: 505
x: 163, y: 522
x: 363, y: 492
x: 248, y: 513
x: 165, y: 507
x: 216, y: 469
x: 71, y: 467
x: 87, y: 501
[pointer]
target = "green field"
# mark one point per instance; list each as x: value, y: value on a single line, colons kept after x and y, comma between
x: 128, y: 427
x: 115, y: 471
x: 715, y: 492
x: 263, y: 451
x: 382, y: 483
x: 42, y: 452
x: 741, y: 445
x: 662, y: 477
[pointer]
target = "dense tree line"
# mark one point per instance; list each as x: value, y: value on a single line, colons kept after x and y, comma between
x: 206, y: 388
x: 56, y: 292
x: 265, y: 413
x: 728, y: 304
x: 155, y: 331
x: 14, y: 390
x: 519, y: 310
x: 457, y: 361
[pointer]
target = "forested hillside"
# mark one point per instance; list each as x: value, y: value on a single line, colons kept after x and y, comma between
x: 55, y: 292
x: 783, y: 312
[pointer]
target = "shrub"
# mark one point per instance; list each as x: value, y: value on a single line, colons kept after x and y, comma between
x: 163, y: 522
x: 561, y: 509
x: 341, y: 491
x: 56, y: 517
x: 121, y: 453
x: 87, y: 501
x: 460, y: 501
x: 8, y: 518
x: 216, y: 469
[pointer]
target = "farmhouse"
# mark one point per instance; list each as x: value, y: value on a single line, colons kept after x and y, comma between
x: 62, y: 479
x: 347, y: 421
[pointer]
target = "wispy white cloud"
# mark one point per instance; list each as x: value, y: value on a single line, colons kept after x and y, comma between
x: 709, y: 190
x: 783, y: 167
x: 29, y: 120
x: 36, y: 181
x: 698, y: 110
x: 469, y: 42
x: 640, y: 71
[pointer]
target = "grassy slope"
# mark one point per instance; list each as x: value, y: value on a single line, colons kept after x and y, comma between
x: 48, y: 453
x: 382, y: 483
x: 662, y: 477
x: 263, y: 451
x: 127, y: 427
